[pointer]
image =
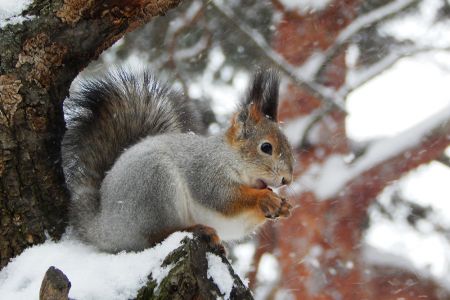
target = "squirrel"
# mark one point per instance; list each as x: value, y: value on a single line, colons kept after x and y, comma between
x: 137, y: 170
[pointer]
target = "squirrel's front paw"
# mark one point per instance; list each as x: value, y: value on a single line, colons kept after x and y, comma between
x: 274, y: 206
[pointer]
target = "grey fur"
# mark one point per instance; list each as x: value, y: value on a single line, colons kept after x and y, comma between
x: 134, y: 172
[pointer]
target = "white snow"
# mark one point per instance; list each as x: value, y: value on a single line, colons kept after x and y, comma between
x: 357, y: 77
x: 267, y: 277
x: 177, y: 23
x: 424, y: 251
x: 335, y: 172
x: 414, y: 88
x: 268, y: 270
x: 224, y: 97
x: 378, y: 257
x: 93, y: 274
x: 415, y: 252
x: 428, y: 186
x: 192, y: 51
x: 305, y: 6
x: 354, y: 27
x: 422, y: 26
x: 219, y: 273
x: 373, y: 16
x: 295, y: 129
x: 244, y: 258
x: 352, y: 55
x: 311, y: 66
x: 10, y: 11
x: 326, y: 94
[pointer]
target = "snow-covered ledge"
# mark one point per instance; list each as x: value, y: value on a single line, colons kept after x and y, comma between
x: 184, y: 266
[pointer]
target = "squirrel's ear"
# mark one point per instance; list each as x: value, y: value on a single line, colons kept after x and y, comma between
x: 262, y: 96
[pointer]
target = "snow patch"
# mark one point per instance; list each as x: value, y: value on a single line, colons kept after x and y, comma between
x: 305, y: 6
x: 243, y: 264
x: 378, y: 257
x: 220, y: 274
x: 268, y: 270
x: 93, y: 274
x: 395, y: 243
x: 422, y: 26
x: 311, y: 66
x: 352, y: 55
x: 335, y: 172
x: 10, y: 12
x: 295, y: 129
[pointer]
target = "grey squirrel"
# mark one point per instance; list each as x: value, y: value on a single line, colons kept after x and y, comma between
x: 137, y: 173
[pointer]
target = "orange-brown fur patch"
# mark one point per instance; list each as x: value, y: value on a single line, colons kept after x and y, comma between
x: 247, y: 199
x: 255, y: 113
x: 233, y: 132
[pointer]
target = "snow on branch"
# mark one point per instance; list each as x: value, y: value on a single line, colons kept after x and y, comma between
x: 357, y: 77
x: 184, y: 264
x: 374, y: 16
x: 305, y: 6
x: 444, y: 159
x: 323, y: 93
x: 11, y: 12
x: 384, y: 160
x: 299, y: 130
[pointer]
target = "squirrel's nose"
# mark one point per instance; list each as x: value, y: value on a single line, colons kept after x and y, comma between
x: 285, y: 180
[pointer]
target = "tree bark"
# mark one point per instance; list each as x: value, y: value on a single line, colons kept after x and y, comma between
x: 319, y: 246
x: 189, y: 279
x: 38, y: 60
x: 55, y: 285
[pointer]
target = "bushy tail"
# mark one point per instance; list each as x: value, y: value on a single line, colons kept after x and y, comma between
x: 106, y: 116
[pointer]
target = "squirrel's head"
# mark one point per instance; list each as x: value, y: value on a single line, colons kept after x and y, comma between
x: 257, y: 137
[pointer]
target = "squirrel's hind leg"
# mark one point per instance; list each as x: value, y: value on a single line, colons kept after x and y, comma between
x: 208, y: 235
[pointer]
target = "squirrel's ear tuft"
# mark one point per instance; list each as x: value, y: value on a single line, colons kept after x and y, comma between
x: 263, y: 93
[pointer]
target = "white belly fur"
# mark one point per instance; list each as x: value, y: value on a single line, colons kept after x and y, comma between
x: 193, y: 213
x: 228, y: 228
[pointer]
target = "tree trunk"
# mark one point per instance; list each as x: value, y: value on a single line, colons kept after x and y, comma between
x: 319, y: 246
x: 38, y: 60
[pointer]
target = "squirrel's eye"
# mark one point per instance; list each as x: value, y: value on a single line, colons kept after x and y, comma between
x: 266, y: 148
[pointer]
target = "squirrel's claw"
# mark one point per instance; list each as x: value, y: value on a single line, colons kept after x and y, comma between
x: 274, y: 206
x: 285, y: 208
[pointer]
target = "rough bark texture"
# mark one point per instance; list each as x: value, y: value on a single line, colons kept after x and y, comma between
x: 38, y: 61
x: 188, y: 278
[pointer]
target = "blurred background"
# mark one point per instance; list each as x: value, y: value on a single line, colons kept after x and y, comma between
x: 365, y: 102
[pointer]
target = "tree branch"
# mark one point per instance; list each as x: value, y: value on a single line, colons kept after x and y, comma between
x: 424, y: 142
x: 403, y: 152
x: 444, y: 159
x: 356, y: 78
x: 319, y: 91
x: 371, y: 18
x: 38, y: 61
